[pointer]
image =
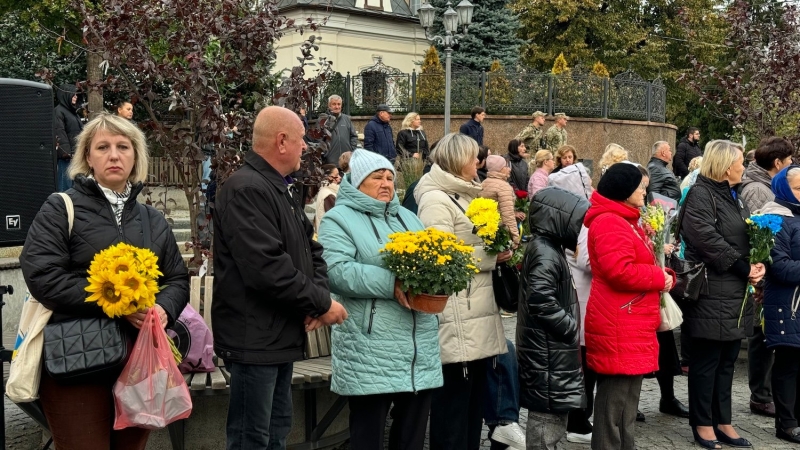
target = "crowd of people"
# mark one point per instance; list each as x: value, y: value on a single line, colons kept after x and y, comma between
x: 591, y: 283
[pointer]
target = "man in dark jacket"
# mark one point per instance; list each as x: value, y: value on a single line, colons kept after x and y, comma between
x: 270, y: 285
x: 67, y: 126
x: 378, y: 135
x: 474, y: 126
x: 551, y: 381
x: 662, y: 181
x: 688, y: 149
x: 343, y: 135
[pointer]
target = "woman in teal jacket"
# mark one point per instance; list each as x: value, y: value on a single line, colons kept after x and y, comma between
x: 384, y: 353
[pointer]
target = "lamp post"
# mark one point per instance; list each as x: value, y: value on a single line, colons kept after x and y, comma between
x: 452, y: 20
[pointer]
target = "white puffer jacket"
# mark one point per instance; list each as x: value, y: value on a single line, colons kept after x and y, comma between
x: 470, y: 327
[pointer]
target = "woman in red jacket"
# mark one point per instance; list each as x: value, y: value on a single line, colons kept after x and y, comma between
x: 623, y: 310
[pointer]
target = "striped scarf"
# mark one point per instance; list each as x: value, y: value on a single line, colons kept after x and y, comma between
x: 116, y: 199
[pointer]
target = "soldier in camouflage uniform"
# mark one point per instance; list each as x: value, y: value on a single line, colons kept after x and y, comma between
x: 557, y: 135
x: 532, y: 134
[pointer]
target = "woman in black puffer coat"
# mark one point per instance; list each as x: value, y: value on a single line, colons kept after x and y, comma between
x: 714, y: 232
x: 518, y: 164
x: 551, y: 381
x: 108, y: 168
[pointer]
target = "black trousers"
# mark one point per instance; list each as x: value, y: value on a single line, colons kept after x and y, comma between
x: 457, y: 408
x: 759, y: 367
x: 786, y: 386
x: 409, y: 420
x: 711, y: 381
x: 578, y: 419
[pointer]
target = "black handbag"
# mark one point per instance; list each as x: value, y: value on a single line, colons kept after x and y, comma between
x: 690, y: 276
x: 505, y: 283
x: 86, y: 349
x: 91, y: 348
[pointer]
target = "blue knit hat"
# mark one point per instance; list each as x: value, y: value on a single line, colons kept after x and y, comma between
x: 363, y: 163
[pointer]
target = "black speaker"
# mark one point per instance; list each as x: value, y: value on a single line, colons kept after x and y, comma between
x: 27, y: 155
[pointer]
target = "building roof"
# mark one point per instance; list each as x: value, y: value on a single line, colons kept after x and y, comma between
x: 400, y: 8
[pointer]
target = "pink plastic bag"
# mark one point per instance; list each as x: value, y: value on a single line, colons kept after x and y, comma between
x: 151, y: 392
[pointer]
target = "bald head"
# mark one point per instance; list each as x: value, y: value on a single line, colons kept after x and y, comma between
x: 278, y: 138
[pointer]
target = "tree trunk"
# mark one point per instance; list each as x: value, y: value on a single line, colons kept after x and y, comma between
x: 94, y: 74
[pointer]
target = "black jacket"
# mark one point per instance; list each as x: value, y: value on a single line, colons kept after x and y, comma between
x: 548, y: 345
x: 268, y: 272
x: 519, y: 172
x: 685, y: 153
x: 724, y: 247
x: 473, y: 129
x: 412, y: 141
x: 55, y: 266
x: 66, y: 123
x: 662, y: 181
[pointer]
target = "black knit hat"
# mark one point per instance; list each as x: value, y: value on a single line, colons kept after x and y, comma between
x: 620, y: 181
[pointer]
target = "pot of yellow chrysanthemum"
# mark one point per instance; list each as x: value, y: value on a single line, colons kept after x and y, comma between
x: 431, y: 264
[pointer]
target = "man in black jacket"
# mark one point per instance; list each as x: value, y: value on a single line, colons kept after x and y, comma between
x: 474, y: 126
x: 662, y: 181
x: 270, y: 285
x: 67, y: 126
x: 688, y: 149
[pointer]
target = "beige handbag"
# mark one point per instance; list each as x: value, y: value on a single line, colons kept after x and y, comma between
x: 26, y: 361
x: 671, y: 315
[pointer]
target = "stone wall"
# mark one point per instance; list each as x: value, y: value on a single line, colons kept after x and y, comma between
x: 588, y: 136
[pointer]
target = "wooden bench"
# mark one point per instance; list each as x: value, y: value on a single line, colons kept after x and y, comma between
x: 308, y: 377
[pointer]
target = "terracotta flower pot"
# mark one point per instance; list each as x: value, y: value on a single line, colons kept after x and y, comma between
x: 427, y: 303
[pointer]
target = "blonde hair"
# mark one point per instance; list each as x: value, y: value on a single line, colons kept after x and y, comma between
x: 117, y: 126
x: 695, y: 163
x: 453, y: 152
x: 563, y: 150
x: 541, y: 157
x: 408, y: 119
x: 613, y: 154
x: 718, y: 157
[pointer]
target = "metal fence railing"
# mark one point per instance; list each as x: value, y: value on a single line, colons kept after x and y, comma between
x: 580, y: 94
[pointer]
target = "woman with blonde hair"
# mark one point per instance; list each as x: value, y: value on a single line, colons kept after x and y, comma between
x: 714, y: 232
x: 613, y: 154
x: 411, y: 141
x: 694, y: 169
x: 108, y: 169
x: 566, y: 155
x: 545, y: 164
x: 470, y: 328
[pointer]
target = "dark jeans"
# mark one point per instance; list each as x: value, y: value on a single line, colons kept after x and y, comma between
x: 501, y: 405
x: 457, y: 407
x: 409, y: 420
x: 710, y: 381
x: 615, y: 412
x: 759, y: 367
x: 785, y: 386
x: 63, y: 182
x: 82, y: 417
x: 260, y: 408
x: 579, y: 418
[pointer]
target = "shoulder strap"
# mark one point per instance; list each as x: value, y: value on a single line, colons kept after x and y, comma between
x: 457, y: 204
x: 145, y: 216
x: 70, y: 212
x: 677, y: 236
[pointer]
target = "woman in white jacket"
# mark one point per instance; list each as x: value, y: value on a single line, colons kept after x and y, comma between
x: 470, y: 328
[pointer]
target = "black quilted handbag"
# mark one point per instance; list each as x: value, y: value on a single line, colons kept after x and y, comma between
x: 86, y: 350
x: 505, y: 282
x: 690, y: 276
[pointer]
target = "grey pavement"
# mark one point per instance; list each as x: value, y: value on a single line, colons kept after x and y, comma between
x: 659, y: 432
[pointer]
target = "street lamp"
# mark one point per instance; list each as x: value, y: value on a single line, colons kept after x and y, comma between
x: 451, y: 21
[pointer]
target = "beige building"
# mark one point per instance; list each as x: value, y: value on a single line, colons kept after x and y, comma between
x: 357, y: 34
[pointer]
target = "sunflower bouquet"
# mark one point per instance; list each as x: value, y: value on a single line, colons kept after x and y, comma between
x: 485, y: 216
x: 122, y: 280
x: 429, y: 261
